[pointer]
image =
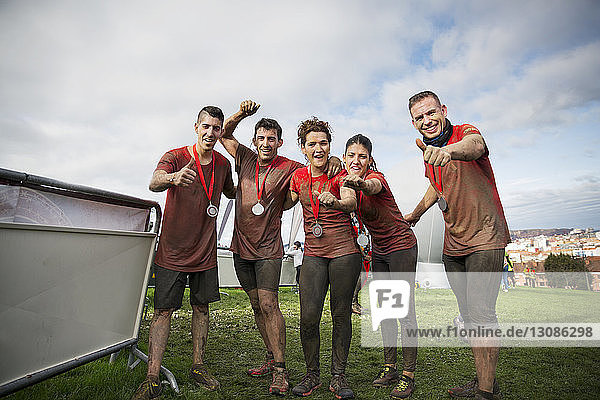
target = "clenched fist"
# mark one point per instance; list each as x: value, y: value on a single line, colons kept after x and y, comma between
x: 248, y: 107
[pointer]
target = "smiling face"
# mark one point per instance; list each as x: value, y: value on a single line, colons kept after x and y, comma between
x: 316, y: 149
x: 357, y: 159
x: 209, y: 131
x: 429, y: 117
x: 266, y: 143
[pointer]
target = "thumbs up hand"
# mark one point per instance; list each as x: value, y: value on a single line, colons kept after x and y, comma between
x: 326, y: 198
x: 186, y: 175
x: 354, y: 182
x: 436, y: 156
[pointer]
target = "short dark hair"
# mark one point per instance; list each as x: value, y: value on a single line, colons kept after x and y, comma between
x: 420, y: 96
x: 313, y: 125
x: 213, y: 111
x: 298, y: 244
x: 268, y: 124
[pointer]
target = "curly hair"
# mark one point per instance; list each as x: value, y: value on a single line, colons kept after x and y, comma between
x: 312, y: 124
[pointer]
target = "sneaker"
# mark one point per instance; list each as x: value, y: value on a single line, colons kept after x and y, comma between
x: 470, y: 388
x: 279, y: 385
x: 481, y: 395
x: 356, y: 308
x: 309, y: 383
x: 201, y: 377
x: 340, y: 388
x: 265, y: 369
x: 404, y: 388
x: 149, y: 389
x: 466, y: 390
x: 387, y: 376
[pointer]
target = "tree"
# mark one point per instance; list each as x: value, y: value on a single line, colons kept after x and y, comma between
x: 566, y: 271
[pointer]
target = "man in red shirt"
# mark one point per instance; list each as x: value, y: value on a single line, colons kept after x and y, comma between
x: 476, y: 233
x: 194, y: 177
x: 263, y: 183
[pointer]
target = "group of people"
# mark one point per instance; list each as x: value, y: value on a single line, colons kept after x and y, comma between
x: 462, y: 184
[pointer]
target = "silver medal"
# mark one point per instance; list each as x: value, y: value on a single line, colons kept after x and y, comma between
x: 362, y: 240
x: 212, y: 211
x: 258, y: 209
x: 442, y: 204
x: 317, y: 230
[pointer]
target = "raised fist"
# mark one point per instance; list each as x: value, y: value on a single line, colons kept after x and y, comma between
x: 248, y: 107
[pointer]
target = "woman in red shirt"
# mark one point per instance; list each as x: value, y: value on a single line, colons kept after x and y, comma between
x: 331, y: 258
x: 394, y: 251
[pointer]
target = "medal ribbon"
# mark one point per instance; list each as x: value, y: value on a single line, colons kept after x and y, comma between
x: 260, y: 191
x: 358, y: 217
x: 315, y: 207
x: 366, y: 265
x: 208, y: 191
x: 433, y: 178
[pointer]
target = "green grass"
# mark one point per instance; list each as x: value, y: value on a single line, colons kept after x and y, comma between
x: 234, y: 345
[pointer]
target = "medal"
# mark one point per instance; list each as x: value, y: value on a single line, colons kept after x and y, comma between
x: 442, y: 204
x: 258, y: 209
x: 211, y: 210
x: 317, y: 230
x: 362, y: 240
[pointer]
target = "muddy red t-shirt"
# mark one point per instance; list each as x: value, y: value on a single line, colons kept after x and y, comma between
x: 188, y: 241
x: 338, y: 237
x: 380, y: 214
x: 475, y: 218
x: 258, y: 237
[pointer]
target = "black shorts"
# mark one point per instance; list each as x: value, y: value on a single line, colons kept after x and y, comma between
x: 170, y: 285
x: 475, y: 281
x: 258, y: 274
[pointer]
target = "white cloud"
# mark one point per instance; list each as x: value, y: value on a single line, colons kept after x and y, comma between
x: 94, y: 93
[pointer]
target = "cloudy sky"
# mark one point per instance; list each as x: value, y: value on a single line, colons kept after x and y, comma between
x: 94, y: 93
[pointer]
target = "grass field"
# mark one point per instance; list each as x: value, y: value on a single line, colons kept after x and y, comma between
x: 234, y: 345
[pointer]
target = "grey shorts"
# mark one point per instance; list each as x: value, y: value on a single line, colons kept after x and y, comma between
x: 258, y: 274
x: 170, y: 285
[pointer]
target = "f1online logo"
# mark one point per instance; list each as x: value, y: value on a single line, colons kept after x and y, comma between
x: 389, y: 300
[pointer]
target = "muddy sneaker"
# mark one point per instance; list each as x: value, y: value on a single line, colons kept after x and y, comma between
x: 340, y: 388
x: 309, y: 383
x: 279, y: 385
x: 404, y: 388
x: 387, y: 376
x: 149, y: 389
x: 469, y: 389
x: 481, y: 395
x: 466, y: 390
x: 263, y: 370
x: 201, y: 377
